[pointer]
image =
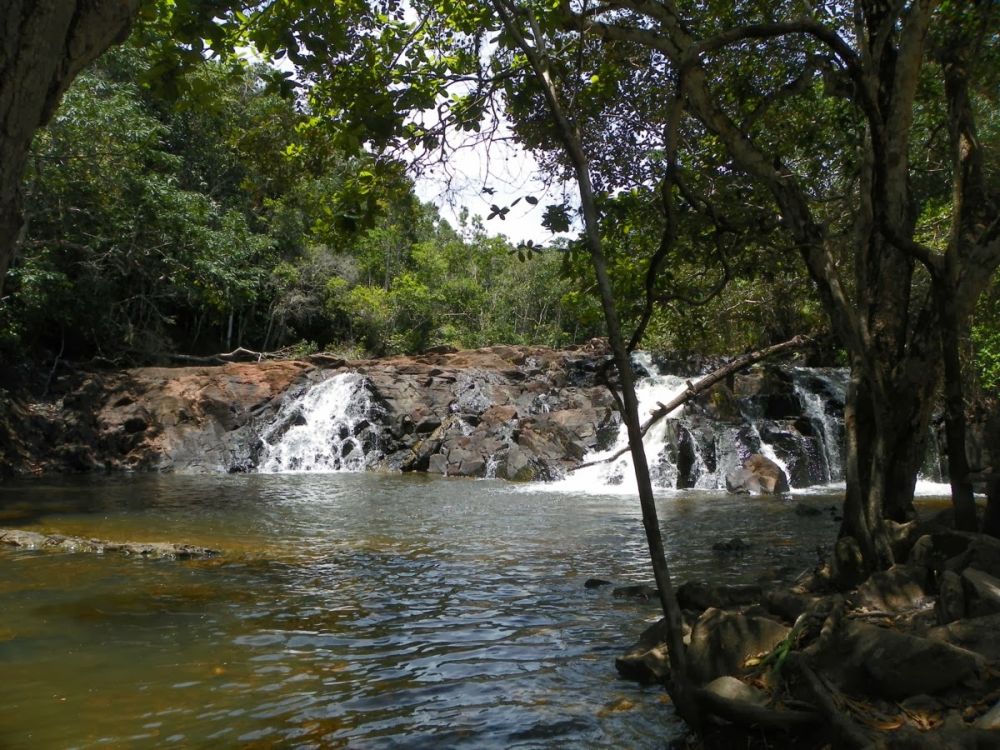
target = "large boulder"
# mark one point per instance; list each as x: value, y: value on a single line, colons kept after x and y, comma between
x: 976, y: 634
x: 982, y: 593
x: 759, y: 476
x: 648, y: 660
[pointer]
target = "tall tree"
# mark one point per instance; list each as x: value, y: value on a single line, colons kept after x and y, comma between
x: 523, y: 28
x: 827, y: 110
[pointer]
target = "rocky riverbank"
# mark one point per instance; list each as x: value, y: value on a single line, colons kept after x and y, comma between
x: 908, y: 659
x: 62, y: 543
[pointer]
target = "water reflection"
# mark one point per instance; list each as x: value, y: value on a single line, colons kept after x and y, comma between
x: 350, y: 610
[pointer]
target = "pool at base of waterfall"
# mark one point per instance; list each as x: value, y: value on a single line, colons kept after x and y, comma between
x: 354, y: 610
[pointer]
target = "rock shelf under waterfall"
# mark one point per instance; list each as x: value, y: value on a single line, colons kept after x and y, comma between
x: 515, y: 413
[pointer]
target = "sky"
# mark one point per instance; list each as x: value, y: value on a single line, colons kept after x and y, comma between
x: 502, y: 167
x: 507, y: 170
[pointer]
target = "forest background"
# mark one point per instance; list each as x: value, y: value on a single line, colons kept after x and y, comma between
x: 192, y: 219
x: 168, y: 219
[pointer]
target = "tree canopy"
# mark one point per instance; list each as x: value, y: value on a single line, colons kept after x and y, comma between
x: 216, y: 216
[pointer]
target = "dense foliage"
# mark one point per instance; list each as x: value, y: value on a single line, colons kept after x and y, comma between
x: 217, y: 217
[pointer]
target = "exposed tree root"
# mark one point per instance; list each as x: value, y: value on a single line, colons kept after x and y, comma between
x: 848, y: 733
x: 750, y: 715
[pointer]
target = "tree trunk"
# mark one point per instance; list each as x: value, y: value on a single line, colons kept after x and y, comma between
x: 886, y: 441
x: 43, y: 46
x: 864, y: 475
x: 962, y: 496
x: 991, y: 521
x: 681, y: 689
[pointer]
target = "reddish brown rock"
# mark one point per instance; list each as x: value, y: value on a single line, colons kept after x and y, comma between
x: 514, y: 412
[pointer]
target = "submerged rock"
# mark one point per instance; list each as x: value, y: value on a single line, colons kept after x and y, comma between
x: 639, y: 591
x: 736, y: 544
x: 62, y: 543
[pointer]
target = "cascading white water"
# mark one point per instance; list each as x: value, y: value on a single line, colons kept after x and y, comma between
x: 814, y: 408
x: 712, y: 450
x: 651, y: 391
x: 328, y: 428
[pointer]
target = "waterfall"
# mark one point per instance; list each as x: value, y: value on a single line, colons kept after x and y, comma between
x: 332, y: 426
x: 815, y: 387
x: 798, y: 426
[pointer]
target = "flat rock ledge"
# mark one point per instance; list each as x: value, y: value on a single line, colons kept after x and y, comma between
x: 62, y: 543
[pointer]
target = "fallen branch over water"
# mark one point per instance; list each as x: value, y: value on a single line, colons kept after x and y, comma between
x: 61, y: 542
x: 696, y: 389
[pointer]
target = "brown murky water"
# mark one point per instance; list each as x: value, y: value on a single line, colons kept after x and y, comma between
x: 351, y: 610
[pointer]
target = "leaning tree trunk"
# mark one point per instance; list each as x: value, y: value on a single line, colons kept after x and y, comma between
x: 43, y: 46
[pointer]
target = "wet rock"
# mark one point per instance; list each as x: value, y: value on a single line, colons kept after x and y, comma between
x: 648, y: 660
x: 769, y: 392
x: 595, y: 583
x: 721, y: 643
x: 759, y: 476
x: 515, y: 466
x: 795, y: 444
x: 437, y: 464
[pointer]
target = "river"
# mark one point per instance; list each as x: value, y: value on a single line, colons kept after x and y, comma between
x: 352, y: 610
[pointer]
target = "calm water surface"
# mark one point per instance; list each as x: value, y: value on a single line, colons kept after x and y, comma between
x: 351, y: 610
